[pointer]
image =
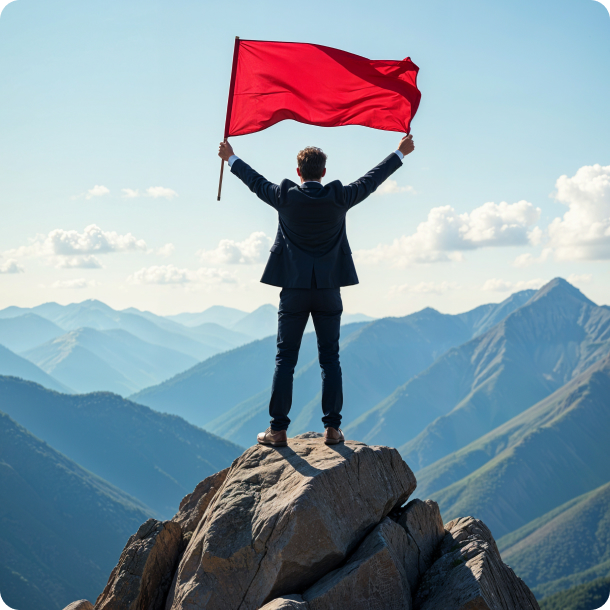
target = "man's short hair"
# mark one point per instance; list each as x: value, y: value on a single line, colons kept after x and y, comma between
x: 312, y: 162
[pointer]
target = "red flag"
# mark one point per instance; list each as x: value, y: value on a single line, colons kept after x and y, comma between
x: 317, y: 85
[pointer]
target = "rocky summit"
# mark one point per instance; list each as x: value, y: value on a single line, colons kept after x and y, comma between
x: 312, y: 527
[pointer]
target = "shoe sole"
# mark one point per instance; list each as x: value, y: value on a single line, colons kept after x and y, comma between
x: 331, y: 441
x: 280, y: 444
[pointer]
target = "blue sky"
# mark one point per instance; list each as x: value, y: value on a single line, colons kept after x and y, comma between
x: 111, y: 112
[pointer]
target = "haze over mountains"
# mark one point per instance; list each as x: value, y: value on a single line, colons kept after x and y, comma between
x: 12, y: 364
x: 53, y: 513
x: 88, y: 346
x: 81, y: 358
x: 502, y: 411
x: 155, y: 457
x: 229, y: 394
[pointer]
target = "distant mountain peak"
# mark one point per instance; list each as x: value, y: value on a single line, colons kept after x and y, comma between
x: 427, y: 313
x: 560, y: 288
x: 266, y: 307
x: 429, y: 310
x: 95, y: 304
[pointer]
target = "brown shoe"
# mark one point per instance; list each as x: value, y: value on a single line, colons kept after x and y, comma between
x: 332, y: 436
x: 275, y: 438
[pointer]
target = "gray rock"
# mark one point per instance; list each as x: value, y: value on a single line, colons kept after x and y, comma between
x: 470, y: 574
x: 81, y: 604
x: 374, y: 577
x: 424, y: 526
x: 309, y: 435
x: 287, y: 602
x: 142, y: 578
x: 194, y: 505
x: 284, y: 518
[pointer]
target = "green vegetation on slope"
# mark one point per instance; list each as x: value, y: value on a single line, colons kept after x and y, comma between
x: 533, y: 352
x: 481, y: 384
x: 155, y: 457
x: 589, y: 596
x: 572, y: 540
x: 550, y: 454
x: 61, y: 527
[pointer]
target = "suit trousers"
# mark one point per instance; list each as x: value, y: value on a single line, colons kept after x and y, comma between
x: 325, y: 307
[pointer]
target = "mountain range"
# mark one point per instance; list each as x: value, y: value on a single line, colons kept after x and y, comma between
x: 228, y: 394
x: 260, y: 323
x: 479, y: 385
x: 568, y: 546
x: 503, y: 412
x: 89, y: 346
x: 115, y: 360
x: 26, y: 331
x: 593, y: 594
x: 54, y: 512
x: 552, y: 452
x: 12, y: 364
x: 155, y: 457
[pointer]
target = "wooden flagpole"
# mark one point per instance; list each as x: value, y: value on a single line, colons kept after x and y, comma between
x: 222, y: 166
x: 229, y: 108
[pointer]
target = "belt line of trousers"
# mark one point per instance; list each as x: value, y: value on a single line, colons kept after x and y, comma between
x: 325, y: 306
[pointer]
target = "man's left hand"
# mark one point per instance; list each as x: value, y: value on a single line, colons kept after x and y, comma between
x: 225, y: 151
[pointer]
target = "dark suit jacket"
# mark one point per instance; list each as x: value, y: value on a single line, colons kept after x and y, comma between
x: 311, y: 236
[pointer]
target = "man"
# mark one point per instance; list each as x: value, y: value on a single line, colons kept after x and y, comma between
x: 310, y: 260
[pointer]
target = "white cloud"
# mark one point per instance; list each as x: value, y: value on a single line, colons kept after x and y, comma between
x: 78, y: 262
x: 390, y: 187
x: 445, y: 233
x: 69, y: 248
x: 160, y: 191
x: 253, y: 249
x: 496, y: 285
x: 97, y: 191
x: 11, y: 266
x: 524, y: 260
x: 161, y: 274
x: 166, y: 250
x: 576, y: 279
x: 527, y: 259
x: 91, y: 241
x: 583, y: 233
x: 74, y: 284
x: 425, y: 288
x: 170, y: 274
x: 154, y: 191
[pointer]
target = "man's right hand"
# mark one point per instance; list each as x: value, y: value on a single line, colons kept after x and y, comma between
x: 225, y: 151
x: 406, y: 145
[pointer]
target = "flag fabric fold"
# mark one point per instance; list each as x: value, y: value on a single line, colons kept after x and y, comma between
x: 317, y: 85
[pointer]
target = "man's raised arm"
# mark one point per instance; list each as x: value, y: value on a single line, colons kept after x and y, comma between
x: 265, y: 190
x: 359, y: 190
